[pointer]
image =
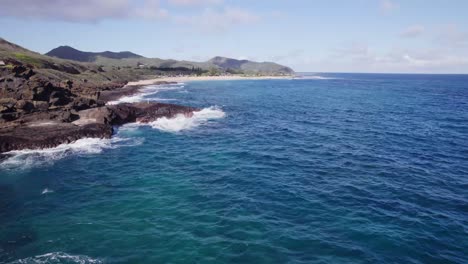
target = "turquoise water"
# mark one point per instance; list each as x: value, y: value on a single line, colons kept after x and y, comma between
x: 356, y: 168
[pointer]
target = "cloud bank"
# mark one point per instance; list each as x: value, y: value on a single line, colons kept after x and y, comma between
x: 83, y: 11
x: 209, y: 16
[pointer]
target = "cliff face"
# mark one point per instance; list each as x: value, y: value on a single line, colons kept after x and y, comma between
x: 24, y: 93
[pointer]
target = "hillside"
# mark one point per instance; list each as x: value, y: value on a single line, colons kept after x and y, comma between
x: 250, y: 66
x: 46, y: 101
x: 69, y: 53
x: 57, y: 70
x: 217, y: 65
x: 31, y: 83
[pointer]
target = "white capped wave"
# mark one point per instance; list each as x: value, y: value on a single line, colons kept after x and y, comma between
x: 184, y: 122
x: 57, y: 258
x: 146, y: 93
x: 127, y: 99
x: 46, y: 191
x: 27, y: 158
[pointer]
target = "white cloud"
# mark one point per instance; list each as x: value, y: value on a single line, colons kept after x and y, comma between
x: 362, y: 58
x: 388, y: 6
x: 214, y: 21
x: 436, y: 64
x: 412, y: 31
x: 413, y: 61
x: 83, y: 11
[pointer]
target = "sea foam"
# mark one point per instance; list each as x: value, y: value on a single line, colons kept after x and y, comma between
x: 28, y: 158
x: 58, y: 257
x: 183, y: 122
x: 147, y: 94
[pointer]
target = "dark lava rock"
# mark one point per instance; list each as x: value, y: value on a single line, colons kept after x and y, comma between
x: 49, y: 135
x: 37, y: 113
x: 115, y: 94
x: 24, y: 105
x: 54, y: 128
x: 128, y: 113
x: 82, y: 103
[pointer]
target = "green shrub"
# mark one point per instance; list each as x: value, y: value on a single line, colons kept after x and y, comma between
x: 27, y: 59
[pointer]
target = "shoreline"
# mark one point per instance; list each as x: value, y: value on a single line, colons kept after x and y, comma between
x: 40, y: 131
x: 180, y: 79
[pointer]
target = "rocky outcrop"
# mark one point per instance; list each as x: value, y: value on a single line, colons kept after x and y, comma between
x: 36, y: 112
x: 44, y: 132
x: 48, y: 134
x: 129, y: 113
x: 23, y: 92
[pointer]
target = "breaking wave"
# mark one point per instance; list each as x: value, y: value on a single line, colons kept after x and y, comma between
x: 57, y: 258
x: 46, y: 191
x: 183, y: 122
x: 147, y: 94
x: 28, y: 158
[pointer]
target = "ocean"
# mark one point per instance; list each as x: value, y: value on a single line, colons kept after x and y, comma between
x: 331, y: 168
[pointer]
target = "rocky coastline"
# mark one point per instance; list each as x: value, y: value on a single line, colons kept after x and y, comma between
x: 36, y: 113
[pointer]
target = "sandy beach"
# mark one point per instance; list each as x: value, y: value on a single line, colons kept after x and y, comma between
x: 206, y: 78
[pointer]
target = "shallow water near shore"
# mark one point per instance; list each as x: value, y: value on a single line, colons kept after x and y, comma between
x: 336, y: 168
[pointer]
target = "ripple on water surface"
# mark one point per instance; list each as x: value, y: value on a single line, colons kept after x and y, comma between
x: 341, y: 169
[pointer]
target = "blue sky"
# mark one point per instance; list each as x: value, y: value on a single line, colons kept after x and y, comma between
x: 319, y: 36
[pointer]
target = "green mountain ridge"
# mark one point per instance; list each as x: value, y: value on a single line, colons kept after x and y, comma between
x: 69, y: 53
x: 128, y: 59
x: 61, y: 70
x: 122, y: 67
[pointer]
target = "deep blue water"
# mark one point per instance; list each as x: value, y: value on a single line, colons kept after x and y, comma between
x: 363, y: 168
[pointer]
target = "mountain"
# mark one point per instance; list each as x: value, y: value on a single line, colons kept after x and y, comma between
x: 250, y: 66
x: 14, y: 55
x: 58, y: 70
x: 217, y: 65
x: 69, y: 53
x: 8, y: 46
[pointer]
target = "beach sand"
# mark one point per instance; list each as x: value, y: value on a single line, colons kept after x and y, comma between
x: 206, y: 78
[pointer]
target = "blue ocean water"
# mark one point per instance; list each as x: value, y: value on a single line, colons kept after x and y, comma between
x: 348, y: 168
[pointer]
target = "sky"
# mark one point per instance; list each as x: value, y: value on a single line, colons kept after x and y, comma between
x: 391, y: 36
